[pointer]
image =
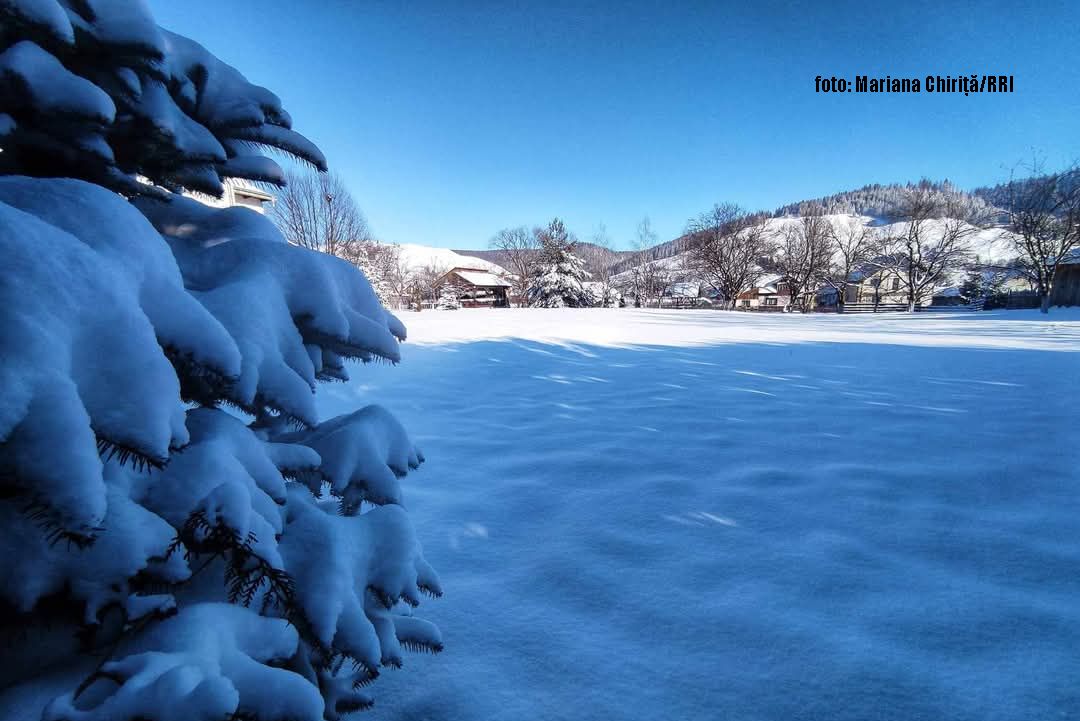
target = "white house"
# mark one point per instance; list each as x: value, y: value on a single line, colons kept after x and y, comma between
x: 239, y: 193
x: 772, y: 294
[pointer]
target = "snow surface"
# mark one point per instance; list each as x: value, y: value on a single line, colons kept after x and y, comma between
x: 709, y: 515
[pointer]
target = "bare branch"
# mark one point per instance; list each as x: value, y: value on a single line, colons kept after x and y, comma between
x: 1043, y: 220
x: 726, y: 248
x: 519, y: 252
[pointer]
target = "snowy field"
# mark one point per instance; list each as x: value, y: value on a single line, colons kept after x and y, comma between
x: 703, y: 515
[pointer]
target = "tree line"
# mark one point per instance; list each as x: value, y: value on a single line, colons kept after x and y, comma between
x: 727, y: 249
x: 927, y: 242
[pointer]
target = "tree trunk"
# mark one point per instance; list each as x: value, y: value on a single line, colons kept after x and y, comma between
x: 911, y: 305
x: 1044, y: 303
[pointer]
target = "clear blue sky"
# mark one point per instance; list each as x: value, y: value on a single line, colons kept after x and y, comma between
x: 450, y: 121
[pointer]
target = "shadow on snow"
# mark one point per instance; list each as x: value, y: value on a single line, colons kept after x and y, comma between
x: 744, y: 531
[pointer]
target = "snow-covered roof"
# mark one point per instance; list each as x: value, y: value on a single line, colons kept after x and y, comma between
x: 480, y: 278
x: 683, y: 290
x: 1073, y: 257
x: 240, y: 187
x: 418, y: 256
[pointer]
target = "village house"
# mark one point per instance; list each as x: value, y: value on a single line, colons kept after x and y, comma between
x: 876, y: 286
x: 772, y: 295
x: 236, y: 193
x: 683, y: 295
x: 240, y: 193
x: 476, y: 288
x: 869, y: 287
x: 1067, y: 281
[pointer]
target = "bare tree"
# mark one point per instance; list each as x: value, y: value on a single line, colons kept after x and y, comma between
x: 601, y: 270
x: 392, y: 269
x: 317, y: 211
x: 726, y: 246
x: 655, y: 279
x: 400, y: 276
x: 519, y: 253
x: 1043, y: 220
x: 645, y: 275
x: 421, y: 284
x: 802, y: 256
x: 932, y: 243
x: 852, y: 246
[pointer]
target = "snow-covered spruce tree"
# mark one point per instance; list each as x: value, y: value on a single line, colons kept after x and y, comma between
x: 559, y: 282
x: 448, y: 298
x: 161, y: 558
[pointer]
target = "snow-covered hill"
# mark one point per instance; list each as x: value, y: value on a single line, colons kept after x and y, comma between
x: 987, y: 244
x: 419, y: 256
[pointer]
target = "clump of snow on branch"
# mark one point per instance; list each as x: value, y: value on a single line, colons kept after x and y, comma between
x: 318, y: 303
x: 131, y: 101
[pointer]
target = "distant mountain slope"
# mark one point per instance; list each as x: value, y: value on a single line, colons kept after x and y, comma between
x: 876, y: 200
x: 595, y: 256
x: 872, y: 202
x: 988, y: 245
x: 998, y: 195
x: 667, y: 249
x: 491, y: 256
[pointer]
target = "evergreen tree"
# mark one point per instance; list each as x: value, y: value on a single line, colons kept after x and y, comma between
x: 448, y: 297
x: 974, y: 285
x: 560, y: 280
x: 237, y: 578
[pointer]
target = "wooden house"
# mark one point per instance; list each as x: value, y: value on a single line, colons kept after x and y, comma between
x: 1067, y: 281
x: 477, y: 288
x: 772, y: 295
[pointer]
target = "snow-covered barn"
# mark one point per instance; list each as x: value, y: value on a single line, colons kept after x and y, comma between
x: 477, y: 288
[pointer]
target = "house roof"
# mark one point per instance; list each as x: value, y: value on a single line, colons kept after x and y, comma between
x: 251, y: 192
x: 1073, y: 257
x: 759, y: 291
x: 682, y: 290
x: 479, y: 278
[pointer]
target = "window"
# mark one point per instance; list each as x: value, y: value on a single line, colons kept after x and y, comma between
x: 746, y: 304
x: 770, y: 301
x: 896, y: 284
